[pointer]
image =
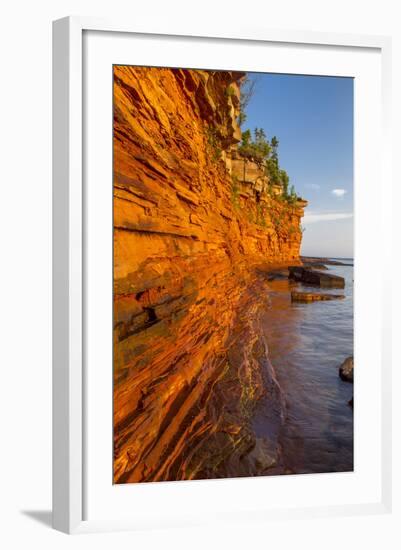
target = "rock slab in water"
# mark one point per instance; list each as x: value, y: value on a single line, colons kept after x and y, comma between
x: 311, y: 265
x: 308, y: 260
x: 307, y: 297
x: 313, y: 277
x: 346, y: 370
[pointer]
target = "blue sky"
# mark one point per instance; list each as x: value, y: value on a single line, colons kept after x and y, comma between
x: 312, y: 117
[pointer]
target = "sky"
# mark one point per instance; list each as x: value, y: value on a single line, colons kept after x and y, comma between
x: 312, y: 117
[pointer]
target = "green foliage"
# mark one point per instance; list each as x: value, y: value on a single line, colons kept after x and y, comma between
x: 285, y: 180
x: 235, y: 193
x: 276, y: 220
x: 274, y: 145
x: 262, y: 144
x: 257, y: 148
x: 272, y: 171
x: 262, y: 151
x: 246, y: 139
x: 214, y: 143
x: 260, y: 216
x: 230, y: 91
x: 292, y: 197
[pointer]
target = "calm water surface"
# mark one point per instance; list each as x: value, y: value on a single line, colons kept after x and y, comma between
x: 307, y: 343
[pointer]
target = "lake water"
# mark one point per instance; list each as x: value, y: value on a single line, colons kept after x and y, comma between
x: 307, y: 344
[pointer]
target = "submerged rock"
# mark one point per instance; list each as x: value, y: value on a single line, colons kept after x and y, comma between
x: 263, y: 455
x: 311, y: 265
x: 307, y: 297
x: 277, y: 275
x: 346, y: 371
x: 313, y: 277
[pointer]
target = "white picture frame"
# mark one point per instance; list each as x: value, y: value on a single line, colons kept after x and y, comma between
x: 69, y: 257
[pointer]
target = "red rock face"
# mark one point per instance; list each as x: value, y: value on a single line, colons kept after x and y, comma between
x: 190, y: 252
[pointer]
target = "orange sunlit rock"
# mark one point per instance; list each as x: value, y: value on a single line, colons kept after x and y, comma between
x: 191, y: 246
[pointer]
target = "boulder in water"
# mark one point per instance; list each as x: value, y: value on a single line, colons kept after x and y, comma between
x: 346, y: 370
x: 314, y: 277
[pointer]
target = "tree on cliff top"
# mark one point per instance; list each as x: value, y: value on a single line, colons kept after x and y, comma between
x: 262, y: 151
x: 258, y: 148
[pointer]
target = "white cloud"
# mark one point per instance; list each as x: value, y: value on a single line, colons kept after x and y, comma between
x: 313, y: 186
x: 338, y: 192
x: 325, y: 217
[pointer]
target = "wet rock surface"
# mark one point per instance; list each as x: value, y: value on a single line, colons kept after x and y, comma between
x: 346, y: 370
x: 320, y: 267
x: 307, y: 297
x: 316, y: 278
x: 190, y: 366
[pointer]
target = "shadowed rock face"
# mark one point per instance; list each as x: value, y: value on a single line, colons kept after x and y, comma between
x: 190, y: 363
x: 312, y: 277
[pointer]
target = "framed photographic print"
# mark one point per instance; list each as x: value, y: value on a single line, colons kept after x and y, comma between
x: 213, y: 200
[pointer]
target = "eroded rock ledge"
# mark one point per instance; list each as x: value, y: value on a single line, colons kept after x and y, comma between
x: 190, y: 253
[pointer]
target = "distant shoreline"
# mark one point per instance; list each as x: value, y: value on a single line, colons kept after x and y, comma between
x: 328, y: 261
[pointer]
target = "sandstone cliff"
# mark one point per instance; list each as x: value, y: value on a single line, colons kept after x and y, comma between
x: 192, y: 380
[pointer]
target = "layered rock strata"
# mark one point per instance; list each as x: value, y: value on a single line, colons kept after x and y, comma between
x: 191, y: 372
x: 314, y: 297
x: 316, y: 278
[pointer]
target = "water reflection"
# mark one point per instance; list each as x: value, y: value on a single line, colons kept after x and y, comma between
x: 307, y: 343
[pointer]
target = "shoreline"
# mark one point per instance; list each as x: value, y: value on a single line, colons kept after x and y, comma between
x: 235, y: 427
x: 204, y: 223
x: 291, y: 376
x: 325, y: 260
x: 265, y: 420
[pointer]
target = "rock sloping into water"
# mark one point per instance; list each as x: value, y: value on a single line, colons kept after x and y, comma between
x: 307, y: 297
x: 190, y: 244
x: 313, y: 277
x: 315, y: 265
